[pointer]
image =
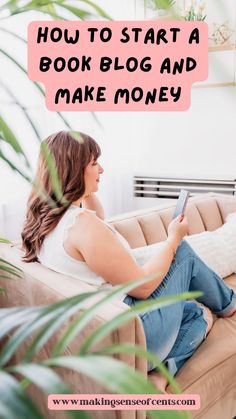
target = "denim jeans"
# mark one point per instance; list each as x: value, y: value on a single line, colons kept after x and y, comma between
x: 174, y: 332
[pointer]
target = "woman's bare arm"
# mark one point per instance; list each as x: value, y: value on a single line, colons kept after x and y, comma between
x: 105, y: 254
x: 92, y: 202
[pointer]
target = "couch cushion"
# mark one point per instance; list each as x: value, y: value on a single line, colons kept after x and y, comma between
x: 226, y: 204
x: 150, y: 226
x: 210, y: 214
x: 195, y: 223
x: 153, y: 228
x: 38, y: 276
x: 131, y: 230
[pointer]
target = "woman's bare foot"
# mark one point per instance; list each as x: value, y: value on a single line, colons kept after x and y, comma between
x: 158, y: 380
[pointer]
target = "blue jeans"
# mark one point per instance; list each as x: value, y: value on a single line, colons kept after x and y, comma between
x: 174, y: 332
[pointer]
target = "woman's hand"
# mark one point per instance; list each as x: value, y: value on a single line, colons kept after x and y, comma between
x: 105, y: 254
x: 177, y: 229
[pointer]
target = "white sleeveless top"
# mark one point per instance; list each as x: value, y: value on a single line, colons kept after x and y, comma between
x: 54, y: 256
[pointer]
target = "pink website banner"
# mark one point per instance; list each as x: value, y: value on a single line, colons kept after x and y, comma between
x: 124, y: 402
x: 118, y: 66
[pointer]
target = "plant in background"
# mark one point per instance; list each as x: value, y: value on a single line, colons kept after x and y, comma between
x: 164, y: 8
x: 194, y: 11
x: 161, y: 4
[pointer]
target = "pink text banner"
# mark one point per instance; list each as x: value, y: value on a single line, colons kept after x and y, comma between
x: 118, y: 66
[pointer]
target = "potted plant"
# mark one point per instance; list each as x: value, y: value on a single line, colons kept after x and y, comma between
x: 163, y: 8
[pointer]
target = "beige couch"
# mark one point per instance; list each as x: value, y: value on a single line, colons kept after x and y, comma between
x: 211, y: 372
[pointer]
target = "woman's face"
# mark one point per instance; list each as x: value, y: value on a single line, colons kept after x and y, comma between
x: 92, y: 176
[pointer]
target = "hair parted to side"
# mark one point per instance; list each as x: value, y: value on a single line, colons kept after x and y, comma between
x: 72, y: 151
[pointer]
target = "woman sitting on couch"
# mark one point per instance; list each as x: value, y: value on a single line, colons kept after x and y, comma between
x: 72, y: 238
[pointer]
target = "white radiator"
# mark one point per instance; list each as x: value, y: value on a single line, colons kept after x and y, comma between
x: 147, y: 190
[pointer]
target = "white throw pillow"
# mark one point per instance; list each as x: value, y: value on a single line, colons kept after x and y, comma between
x: 217, y: 248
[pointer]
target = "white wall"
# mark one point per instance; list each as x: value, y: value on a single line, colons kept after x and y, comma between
x: 197, y: 143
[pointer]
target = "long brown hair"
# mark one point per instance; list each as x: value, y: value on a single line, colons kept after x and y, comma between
x: 71, y: 152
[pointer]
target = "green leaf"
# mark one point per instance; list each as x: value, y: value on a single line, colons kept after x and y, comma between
x: 44, y: 315
x: 138, y: 308
x: 48, y: 381
x: 24, y: 70
x: 98, y: 9
x: 13, y: 318
x: 11, y: 165
x: 52, y: 169
x: 42, y: 193
x: 142, y: 353
x: 42, y: 376
x: 14, y: 403
x: 22, y: 108
x: 4, y: 241
x: 6, y: 267
x: 9, y: 137
x: 82, y: 14
x: 103, y: 370
x: 47, y: 7
x: 10, y: 271
x: 78, y: 324
x: 15, y: 35
x: 10, y: 264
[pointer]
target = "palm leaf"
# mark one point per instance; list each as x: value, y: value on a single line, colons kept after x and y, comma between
x: 43, y: 315
x: 12, y: 166
x: 47, y: 380
x: 73, y: 330
x: 47, y: 7
x: 142, y: 353
x: 9, y: 270
x: 23, y: 109
x: 14, y: 402
x: 9, y: 137
x: 42, y: 376
x: 10, y: 264
x: 82, y: 14
x: 78, y: 324
x: 8, y: 267
x: 42, y: 9
x: 37, y: 85
x: 103, y: 370
x: 11, y: 318
x: 15, y: 35
x: 4, y: 241
x: 98, y: 9
x: 51, y: 166
x: 138, y: 308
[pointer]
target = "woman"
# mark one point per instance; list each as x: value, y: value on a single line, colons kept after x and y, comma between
x: 77, y: 242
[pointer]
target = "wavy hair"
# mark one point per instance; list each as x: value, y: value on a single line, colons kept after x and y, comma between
x: 72, y: 152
